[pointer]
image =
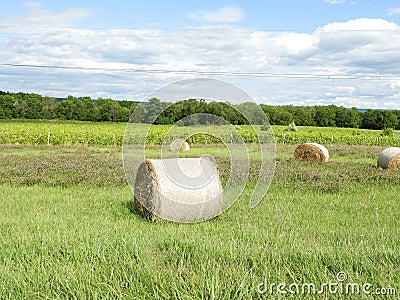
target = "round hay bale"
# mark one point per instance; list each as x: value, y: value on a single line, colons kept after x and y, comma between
x: 178, y: 189
x: 179, y: 145
x: 390, y: 158
x: 311, y: 152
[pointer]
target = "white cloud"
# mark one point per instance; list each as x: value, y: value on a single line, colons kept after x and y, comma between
x: 32, y: 5
x: 344, y: 89
x: 395, y: 84
x: 355, y: 50
x: 361, y: 46
x: 394, y: 11
x: 296, y: 43
x: 335, y: 1
x: 38, y: 17
x: 228, y: 14
x: 361, y: 24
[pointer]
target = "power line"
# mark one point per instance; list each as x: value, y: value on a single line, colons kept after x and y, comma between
x: 123, y: 35
x: 33, y: 35
x: 215, y: 28
x: 243, y: 33
x: 214, y: 73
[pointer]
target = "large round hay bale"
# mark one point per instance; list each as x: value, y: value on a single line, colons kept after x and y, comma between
x: 311, y: 152
x: 178, y: 189
x: 179, y: 145
x: 390, y: 158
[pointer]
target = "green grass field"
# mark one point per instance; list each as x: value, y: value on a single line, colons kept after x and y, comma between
x: 68, y: 231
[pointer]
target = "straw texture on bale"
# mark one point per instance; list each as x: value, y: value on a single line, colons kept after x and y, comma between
x: 179, y: 145
x: 390, y: 158
x: 311, y: 152
x: 178, y: 189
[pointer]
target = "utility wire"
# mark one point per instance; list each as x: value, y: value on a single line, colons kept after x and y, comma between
x: 189, y: 28
x: 237, y: 32
x: 133, y: 35
x: 213, y: 73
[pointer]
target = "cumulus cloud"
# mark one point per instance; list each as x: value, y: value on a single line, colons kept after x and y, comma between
x: 354, y: 63
x: 361, y: 24
x: 228, y: 14
x: 366, y: 46
x: 394, y: 11
x: 296, y: 43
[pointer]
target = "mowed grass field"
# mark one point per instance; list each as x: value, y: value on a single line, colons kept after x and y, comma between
x: 68, y: 231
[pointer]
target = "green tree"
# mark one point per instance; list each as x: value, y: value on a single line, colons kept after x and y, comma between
x: 139, y: 114
x: 304, y: 116
x: 252, y: 112
x: 130, y: 105
x: 7, y: 108
x: 215, y: 110
x: 185, y: 110
x: 370, y: 119
x: 34, y: 106
x: 84, y: 109
x: 348, y: 118
x: 354, y: 119
x: 379, y: 119
x: 226, y: 113
x: 105, y: 111
x: 49, y: 110
x: 389, y: 119
x: 277, y: 115
x: 397, y: 114
x: 66, y: 109
x: 325, y: 116
x: 123, y: 114
x: 153, y: 109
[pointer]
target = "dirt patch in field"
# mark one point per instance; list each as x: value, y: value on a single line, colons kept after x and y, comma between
x: 60, y: 165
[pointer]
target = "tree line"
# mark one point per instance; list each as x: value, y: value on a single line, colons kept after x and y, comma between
x: 34, y: 106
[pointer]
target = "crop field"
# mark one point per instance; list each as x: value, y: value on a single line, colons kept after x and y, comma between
x: 68, y: 229
x: 112, y: 134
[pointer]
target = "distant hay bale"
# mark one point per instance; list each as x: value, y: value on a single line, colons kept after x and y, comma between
x: 390, y: 158
x: 179, y: 145
x: 178, y: 189
x: 311, y: 152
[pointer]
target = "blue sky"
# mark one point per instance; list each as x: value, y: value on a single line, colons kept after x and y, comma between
x: 300, y: 16
x: 342, y: 52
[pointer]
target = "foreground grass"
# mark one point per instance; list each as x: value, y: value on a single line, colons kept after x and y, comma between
x: 63, y: 237
x: 80, y: 243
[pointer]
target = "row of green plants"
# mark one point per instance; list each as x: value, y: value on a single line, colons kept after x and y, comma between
x: 89, y: 133
x: 61, y: 133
